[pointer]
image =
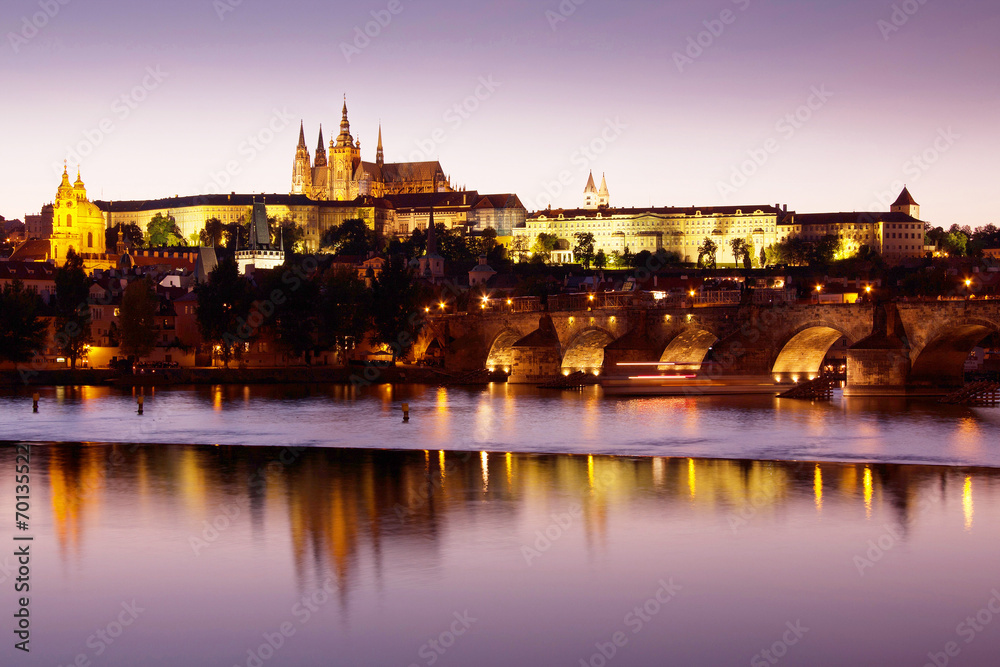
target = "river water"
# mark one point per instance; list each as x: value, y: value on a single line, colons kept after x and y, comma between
x: 501, y: 526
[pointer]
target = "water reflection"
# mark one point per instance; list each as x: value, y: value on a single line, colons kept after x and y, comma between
x: 219, y: 541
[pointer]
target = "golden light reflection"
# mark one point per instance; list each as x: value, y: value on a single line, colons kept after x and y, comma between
x: 217, y: 398
x: 868, y: 492
x: 659, y: 471
x: 967, y: 502
x: 590, y: 470
x: 484, y: 462
x: 818, y: 487
x: 509, y: 458
x: 691, y: 477
x: 441, y: 462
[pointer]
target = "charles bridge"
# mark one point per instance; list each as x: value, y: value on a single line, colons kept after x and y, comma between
x: 892, y: 347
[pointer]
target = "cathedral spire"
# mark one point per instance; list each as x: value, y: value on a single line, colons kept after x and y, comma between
x: 320, y: 150
x: 302, y: 136
x: 379, y: 155
x: 345, y: 140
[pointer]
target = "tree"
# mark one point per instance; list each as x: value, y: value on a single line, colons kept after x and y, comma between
x: 741, y: 252
x: 626, y: 259
x: 138, y: 318
x: 763, y: 257
x: 353, y: 238
x: 452, y: 244
x: 825, y: 250
x: 519, y: 248
x: 294, y: 320
x: 163, y: 231
x: 345, y: 309
x: 213, y: 234
x: 22, y: 330
x: 600, y: 259
x: 543, y: 246
x: 706, y: 253
x: 584, y: 248
x: 291, y: 236
x: 395, y: 300
x: 131, y: 235
x: 223, y: 308
x: 72, y: 309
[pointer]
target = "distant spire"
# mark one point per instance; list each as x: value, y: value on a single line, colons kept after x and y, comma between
x: 302, y: 135
x: 344, y: 140
x: 379, y: 155
x: 604, y: 186
x: 432, y: 246
x: 319, y: 146
x: 590, y: 184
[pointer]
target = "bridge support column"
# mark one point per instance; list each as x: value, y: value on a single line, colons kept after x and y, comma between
x: 877, y: 372
x: 537, y: 357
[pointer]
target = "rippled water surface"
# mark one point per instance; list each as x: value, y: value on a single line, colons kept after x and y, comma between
x: 345, y: 537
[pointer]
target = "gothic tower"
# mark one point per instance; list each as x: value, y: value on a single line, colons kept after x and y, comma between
x: 379, y: 156
x: 301, y: 169
x: 320, y: 150
x: 590, y: 195
x: 345, y: 156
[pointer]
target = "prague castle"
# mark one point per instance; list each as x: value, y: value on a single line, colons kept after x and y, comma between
x: 897, y: 234
x: 345, y: 177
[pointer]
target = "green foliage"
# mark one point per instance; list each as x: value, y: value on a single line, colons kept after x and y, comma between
x: 290, y: 235
x: 584, y: 248
x: 131, y: 235
x: 294, y: 320
x: 22, y: 330
x: 138, y: 318
x: 707, y: 252
x: 600, y: 259
x: 352, y: 238
x: 163, y: 231
x: 72, y: 309
x: 214, y: 233
x: 519, y: 250
x: 395, y: 301
x: 542, y: 248
x: 345, y: 310
x: 223, y: 308
x: 742, y: 252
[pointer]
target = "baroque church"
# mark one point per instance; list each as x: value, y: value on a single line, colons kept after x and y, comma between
x: 344, y: 176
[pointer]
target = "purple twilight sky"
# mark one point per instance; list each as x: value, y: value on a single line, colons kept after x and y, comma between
x: 825, y: 106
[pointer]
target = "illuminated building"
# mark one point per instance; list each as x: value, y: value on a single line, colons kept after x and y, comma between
x: 345, y: 177
x: 677, y: 230
x: 263, y: 253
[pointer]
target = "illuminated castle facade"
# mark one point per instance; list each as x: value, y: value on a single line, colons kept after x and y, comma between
x: 344, y: 176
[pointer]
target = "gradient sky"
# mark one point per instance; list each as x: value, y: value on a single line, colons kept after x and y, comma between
x: 895, y: 95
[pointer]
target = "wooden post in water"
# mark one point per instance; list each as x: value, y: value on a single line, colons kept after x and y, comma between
x: 406, y: 412
x: 140, y: 400
x: 34, y: 402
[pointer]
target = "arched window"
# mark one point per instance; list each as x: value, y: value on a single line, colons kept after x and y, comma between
x: 90, y: 240
x: 69, y: 219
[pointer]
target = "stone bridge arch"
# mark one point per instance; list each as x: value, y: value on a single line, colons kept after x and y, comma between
x: 501, y: 351
x: 802, y: 349
x: 585, y: 351
x: 938, y: 355
x: 687, y: 349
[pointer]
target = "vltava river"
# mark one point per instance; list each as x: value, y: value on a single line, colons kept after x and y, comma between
x: 492, y: 530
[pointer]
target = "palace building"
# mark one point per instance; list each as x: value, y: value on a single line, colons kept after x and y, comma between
x: 344, y: 176
x: 896, y: 235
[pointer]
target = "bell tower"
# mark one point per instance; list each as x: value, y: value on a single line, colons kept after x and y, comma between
x: 301, y: 168
x: 345, y: 156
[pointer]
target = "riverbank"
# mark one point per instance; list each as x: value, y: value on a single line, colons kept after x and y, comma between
x: 194, y: 376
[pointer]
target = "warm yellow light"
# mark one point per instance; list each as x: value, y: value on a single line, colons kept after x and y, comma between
x: 510, y: 302
x: 868, y: 288
x: 691, y: 477
x: 691, y: 293
x: 441, y: 305
x: 868, y: 491
x: 967, y: 502
x: 968, y: 282
x: 591, y: 297
x: 819, y: 288
x: 427, y: 310
x: 486, y: 299
x: 818, y: 487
